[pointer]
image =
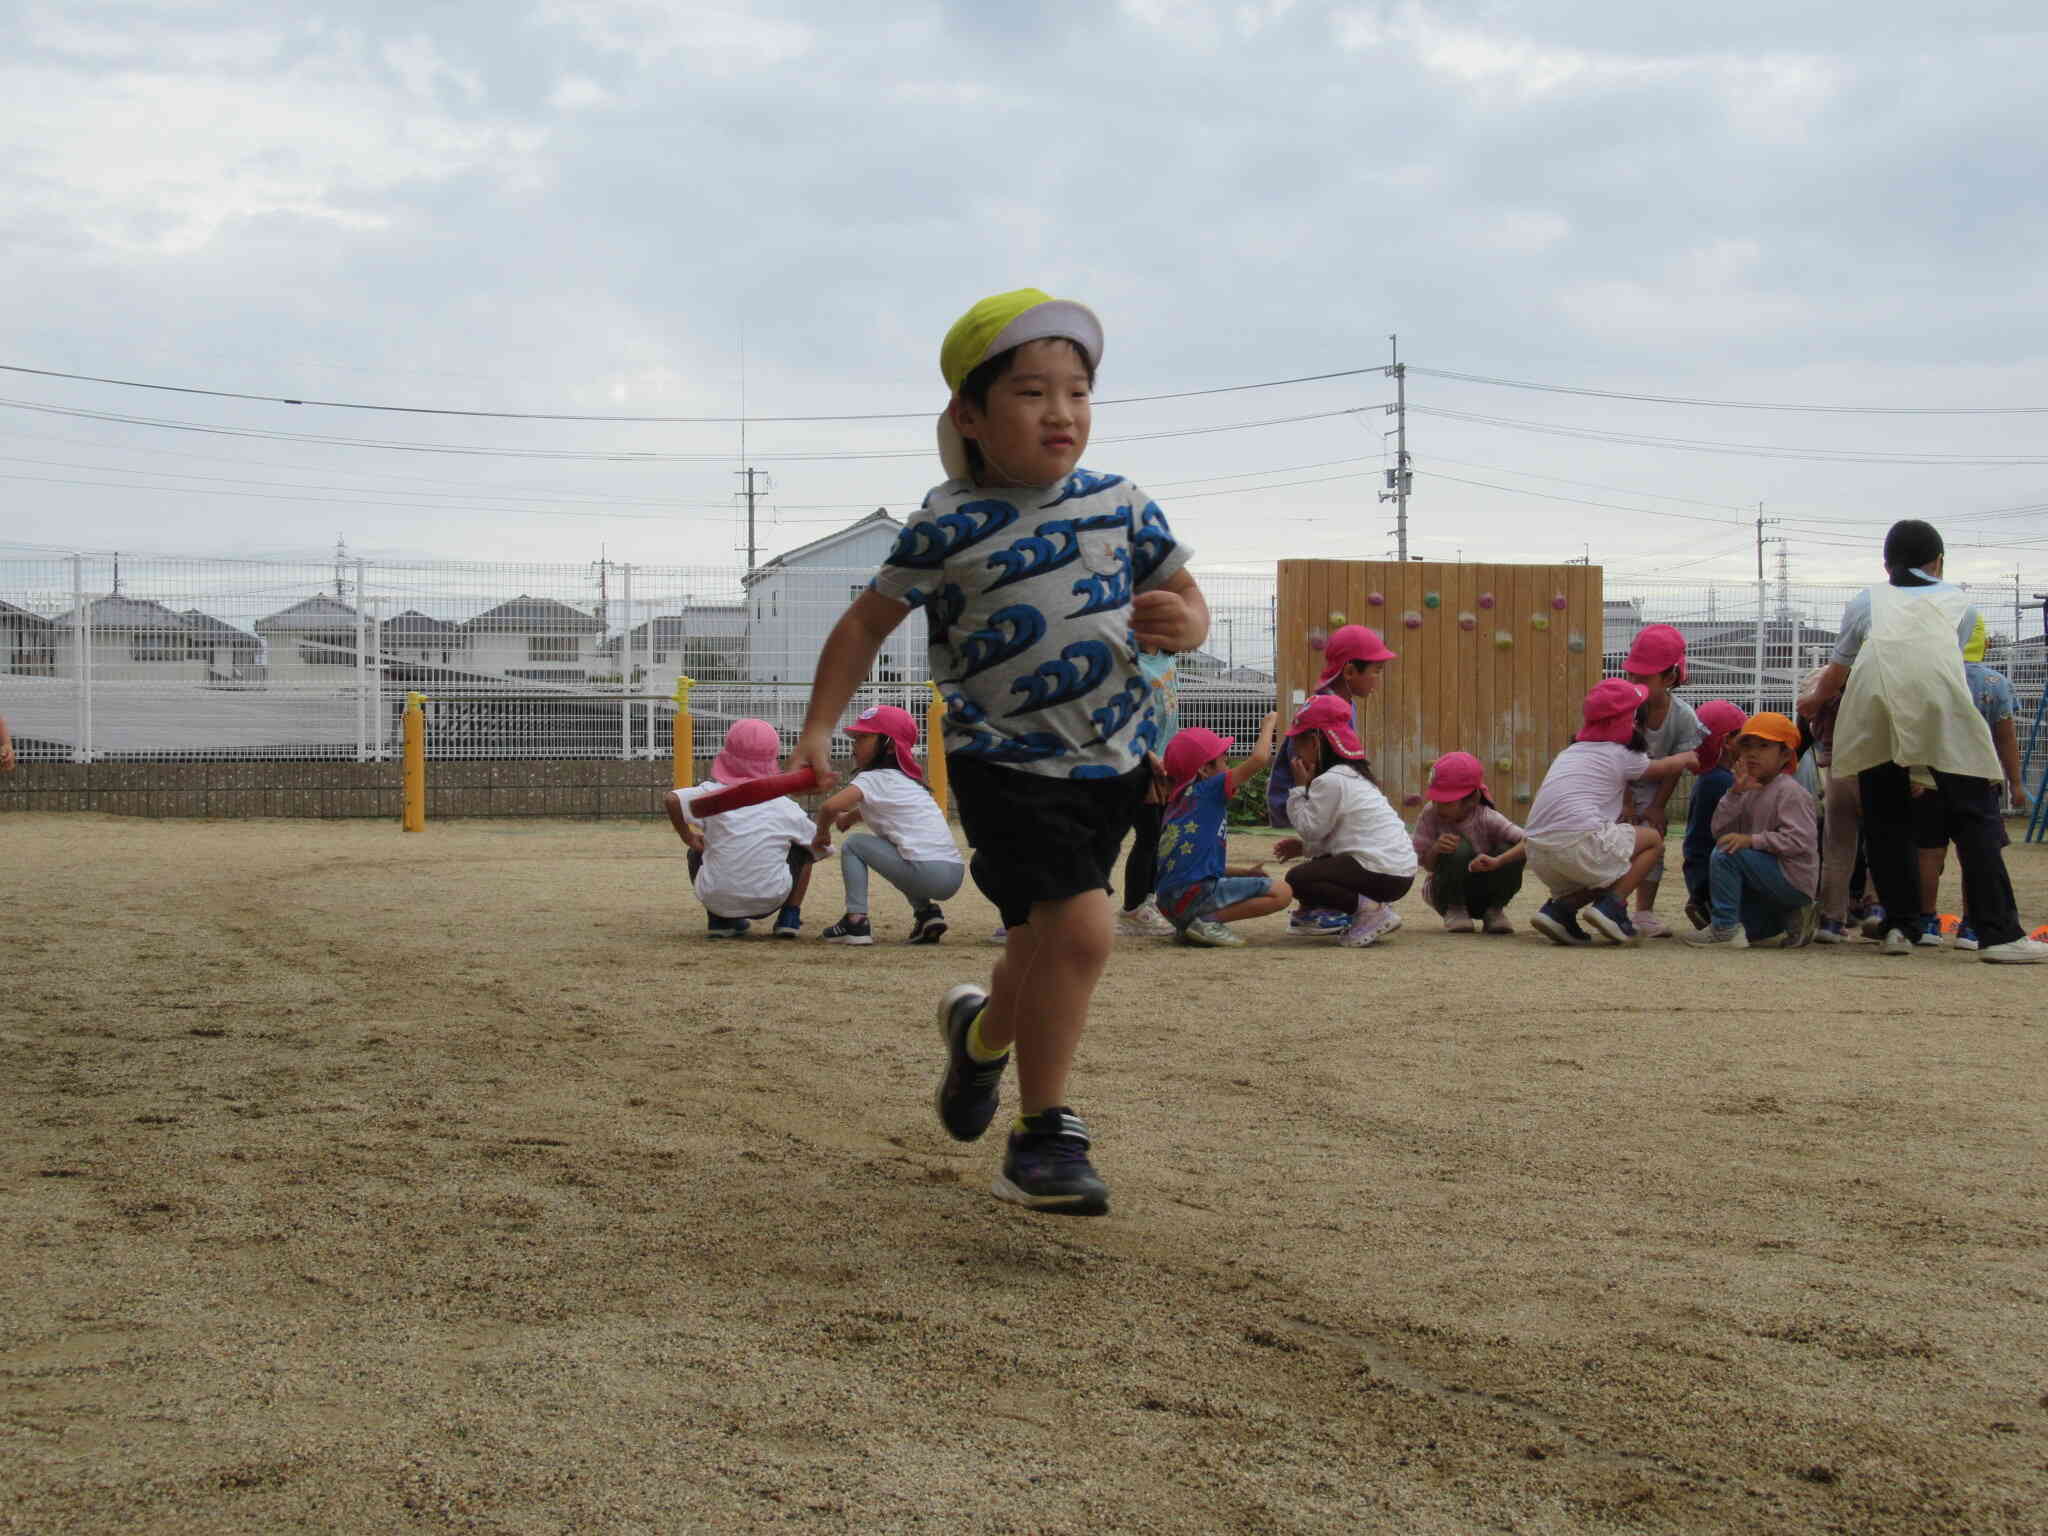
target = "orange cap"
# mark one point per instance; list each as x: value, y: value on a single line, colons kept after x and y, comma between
x: 1769, y: 725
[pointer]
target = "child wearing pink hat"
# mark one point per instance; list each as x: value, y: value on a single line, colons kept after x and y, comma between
x: 1721, y: 720
x: 755, y: 860
x: 1198, y: 892
x: 1459, y: 825
x: 1656, y: 662
x: 908, y: 844
x: 1357, y: 854
x: 1574, y: 840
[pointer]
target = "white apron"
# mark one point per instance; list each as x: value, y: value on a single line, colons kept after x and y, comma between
x: 1908, y: 700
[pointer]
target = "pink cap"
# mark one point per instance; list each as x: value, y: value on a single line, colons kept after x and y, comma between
x: 1722, y: 720
x: 896, y: 724
x: 751, y: 750
x: 1354, y: 642
x: 1657, y: 648
x: 1610, y: 711
x: 1331, y: 716
x: 1456, y: 775
x: 1191, y: 750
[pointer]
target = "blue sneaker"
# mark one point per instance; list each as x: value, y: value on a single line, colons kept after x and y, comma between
x: 969, y: 1090
x: 1609, y: 916
x: 788, y: 922
x: 1557, y: 923
x: 1966, y: 936
x: 1874, y: 925
x: 726, y: 927
x: 1318, y: 923
x: 1929, y: 936
x: 1047, y: 1167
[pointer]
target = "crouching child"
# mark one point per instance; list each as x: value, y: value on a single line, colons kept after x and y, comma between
x: 1766, y: 861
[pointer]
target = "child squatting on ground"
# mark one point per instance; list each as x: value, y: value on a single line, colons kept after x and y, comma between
x: 755, y: 860
x: 1721, y: 720
x: 1459, y: 839
x: 1359, y: 859
x: 908, y: 844
x: 1656, y: 662
x: 1766, y: 861
x: 1039, y: 581
x: 1198, y: 892
x: 1576, y: 844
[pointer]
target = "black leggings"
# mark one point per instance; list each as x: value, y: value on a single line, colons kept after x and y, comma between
x: 1141, y: 864
x: 1336, y: 881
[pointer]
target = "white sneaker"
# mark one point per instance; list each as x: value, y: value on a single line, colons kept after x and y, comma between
x: 1457, y: 920
x: 1650, y: 926
x: 2016, y: 952
x: 1896, y: 943
x: 1144, y: 921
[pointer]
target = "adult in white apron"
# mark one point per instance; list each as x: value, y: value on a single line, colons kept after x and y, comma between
x: 1908, y: 727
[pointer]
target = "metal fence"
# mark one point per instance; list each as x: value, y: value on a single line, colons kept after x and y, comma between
x: 163, y: 659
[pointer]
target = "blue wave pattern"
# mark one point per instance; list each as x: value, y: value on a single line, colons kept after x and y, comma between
x: 1029, y: 619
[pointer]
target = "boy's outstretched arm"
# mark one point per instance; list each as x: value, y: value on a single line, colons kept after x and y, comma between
x: 1262, y: 754
x: 843, y: 665
x: 1671, y: 767
x: 1491, y: 861
x: 1173, y: 616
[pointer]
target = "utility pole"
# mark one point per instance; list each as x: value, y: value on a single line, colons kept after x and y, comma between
x: 604, y: 571
x: 749, y: 474
x: 340, y: 565
x: 1398, y: 477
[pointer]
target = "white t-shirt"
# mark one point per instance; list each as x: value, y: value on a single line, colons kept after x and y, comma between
x: 1583, y: 788
x: 1340, y: 812
x: 1680, y: 732
x: 746, y: 853
x: 899, y: 809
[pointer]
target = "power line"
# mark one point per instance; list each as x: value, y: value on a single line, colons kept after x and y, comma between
x: 1740, y: 405
x: 1580, y: 501
x: 741, y: 420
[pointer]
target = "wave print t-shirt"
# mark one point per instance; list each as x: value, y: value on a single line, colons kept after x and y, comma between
x: 1027, y: 598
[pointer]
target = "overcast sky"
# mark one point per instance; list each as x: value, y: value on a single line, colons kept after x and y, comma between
x: 632, y: 208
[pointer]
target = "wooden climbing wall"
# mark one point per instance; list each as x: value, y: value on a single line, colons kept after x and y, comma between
x: 1495, y: 660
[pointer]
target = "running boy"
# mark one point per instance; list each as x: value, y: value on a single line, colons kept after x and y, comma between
x: 1766, y: 862
x: 1198, y: 891
x: 1039, y: 581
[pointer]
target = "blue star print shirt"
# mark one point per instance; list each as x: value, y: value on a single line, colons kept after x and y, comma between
x: 1027, y: 598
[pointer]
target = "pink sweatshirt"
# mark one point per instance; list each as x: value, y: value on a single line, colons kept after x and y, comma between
x: 1780, y: 817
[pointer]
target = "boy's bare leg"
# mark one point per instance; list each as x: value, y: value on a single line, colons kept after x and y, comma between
x: 800, y: 885
x: 1649, y: 851
x: 1038, y: 998
x: 1275, y: 900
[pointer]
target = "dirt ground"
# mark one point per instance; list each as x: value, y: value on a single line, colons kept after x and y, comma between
x: 357, y: 1181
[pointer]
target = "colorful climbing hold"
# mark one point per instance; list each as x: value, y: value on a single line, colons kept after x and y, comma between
x: 1503, y: 638
x: 1522, y: 794
x: 1432, y: 599
x: 1413, y: 800
x: 1376, y: 598
x: 1411, y: 619
x: 1317, y: 639
x: 1575, y: 642
x: 1336, y: 619
x: 1486, y: 599
x: 1503, y: 764
x: 1539, y: 621
x: 1467, y: 620
x: 1558, y: 602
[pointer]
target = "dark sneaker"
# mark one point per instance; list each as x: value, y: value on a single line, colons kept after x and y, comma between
x: 1318, y: 923
x: 1557, y: 923
x: 1697, y: 913
x: 1047, y: 1167
x: 969, y: 1090
x: 849, y: 930
x: 787, y: 923
x: 726, y: 927
x: 1966, y: 936
x: 1609, y: 917
x: 1874, y: 926
x: 927, y: 925
x: 1929, y: 936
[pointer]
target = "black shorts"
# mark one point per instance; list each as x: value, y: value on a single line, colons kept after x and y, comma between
x: 1037, y: 838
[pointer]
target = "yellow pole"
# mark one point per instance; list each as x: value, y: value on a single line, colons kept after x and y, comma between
x: 935, y: 746
x: 414, y: 816
x: 686, y: 736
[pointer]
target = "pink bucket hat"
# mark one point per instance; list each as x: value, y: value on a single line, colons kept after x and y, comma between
x: 1456, y: 775
x: 1657, y: 648
x: 750, y: 752
x: 1192, y: 750
x: 1610, y: 711
x: 1354, y: 642
x: 1722, y: 721
x: 1331, y: 716
x: 896, y: 724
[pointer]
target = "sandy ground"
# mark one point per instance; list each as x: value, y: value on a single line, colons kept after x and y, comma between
x: 357, y: 1181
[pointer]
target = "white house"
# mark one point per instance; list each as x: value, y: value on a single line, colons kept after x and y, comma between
x: 794, y: 600
x: 536, y: 639
x: 707, y: 642
x: 133, y: 640
x: 413, y: 639
x: 28, y: 643
x: 310, y: 644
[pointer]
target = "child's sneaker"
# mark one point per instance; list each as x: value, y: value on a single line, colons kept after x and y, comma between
x: 1929, y: 936
x: 1896, y: 942
x: 1457, y: 920
x: 1828, y: 931
x: 1496, y: 922
x: 927, y: 924
x: 1207, y: 933
x: 969, y: 1090
x: 1144, y: 921
x: 787, y: 923
x: 1318, y: 923
x: 2018, y: 952
x: 1966, y: 935
x: 1047, y: 1167
x: 1874, y: 925
x: 1369, y: 927
x: 1609, y: 916
x: 1648, y: 925
x: 1733, y: 937
x: 726, y: 927
x: 1697, y: 914
x: 1802, y: 928
x: 849, y: 930
x: 1559, y: 924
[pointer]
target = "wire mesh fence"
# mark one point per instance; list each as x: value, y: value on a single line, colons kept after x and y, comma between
x: 107, y: 658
